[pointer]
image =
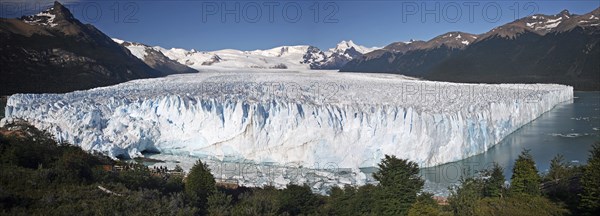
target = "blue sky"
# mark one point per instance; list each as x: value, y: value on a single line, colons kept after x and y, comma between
x: 266, y: 24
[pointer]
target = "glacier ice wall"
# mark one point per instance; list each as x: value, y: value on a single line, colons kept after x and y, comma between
x: 306, y: 118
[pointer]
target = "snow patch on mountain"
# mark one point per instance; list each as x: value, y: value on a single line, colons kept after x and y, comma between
x: 138, y: 51
x: 153, y: 58
x: 119, y: 41
x: 546, y: 24
x: 45, y: 18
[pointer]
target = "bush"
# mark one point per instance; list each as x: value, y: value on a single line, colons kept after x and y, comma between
x: 219, y: 204
x: 258, y: 202
x: 518, y: 205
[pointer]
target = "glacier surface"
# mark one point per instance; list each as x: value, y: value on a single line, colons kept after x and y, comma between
x: 309, y: 118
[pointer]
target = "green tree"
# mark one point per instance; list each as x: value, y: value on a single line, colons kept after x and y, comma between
x: 297, y: 200
x: 462, y: 198
x: 525, y: 178
x: 138, y: 176
x: 76, y: 161
x: 560, y: 183
x: 259, y: 201
x: 558, y: 169
x: 399, y: 183
x: 219, y: 204
x: 353, y: 201
x: 174, y: 184
x: 590, y: 181
x: 200, y: 184
x: 494, y: 181
x: 339, y: 201
x: 426, y: 205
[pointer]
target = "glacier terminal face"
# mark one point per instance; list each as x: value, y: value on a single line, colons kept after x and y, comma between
x: 310, y: 118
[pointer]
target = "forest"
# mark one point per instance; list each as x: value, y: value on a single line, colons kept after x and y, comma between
x: 39, y: 176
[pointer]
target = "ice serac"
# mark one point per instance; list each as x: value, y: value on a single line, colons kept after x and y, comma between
x: 307, y: 118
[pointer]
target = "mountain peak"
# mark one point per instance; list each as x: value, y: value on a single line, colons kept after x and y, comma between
x: 61, y: 11
x: 345, y: 44
x: 453, y: 39
x: 50, y: 17
x: 564, y: 12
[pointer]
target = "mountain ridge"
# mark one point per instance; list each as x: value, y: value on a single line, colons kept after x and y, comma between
x: 281, y: 57
x: 558, y: 48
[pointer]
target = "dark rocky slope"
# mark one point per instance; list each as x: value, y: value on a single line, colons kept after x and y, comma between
x: 53, y: 52
x: 562, y: 48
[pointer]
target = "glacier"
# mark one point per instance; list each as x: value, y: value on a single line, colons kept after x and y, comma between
x: 308, y: 118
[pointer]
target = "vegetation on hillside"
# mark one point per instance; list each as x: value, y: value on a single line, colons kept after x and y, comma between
x: 2, y: 106
x: 41, y: 177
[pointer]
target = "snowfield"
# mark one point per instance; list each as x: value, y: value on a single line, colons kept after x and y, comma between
x: 309, y: 118
x: 300, y: 57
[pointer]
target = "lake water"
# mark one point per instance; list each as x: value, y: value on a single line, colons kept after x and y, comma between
x: 569, y: 129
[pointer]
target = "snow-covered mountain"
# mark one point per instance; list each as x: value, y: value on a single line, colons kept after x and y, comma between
x: 346, y: 45
x: 336, y: 58
x: 155, y: 59
x: 283, y: 57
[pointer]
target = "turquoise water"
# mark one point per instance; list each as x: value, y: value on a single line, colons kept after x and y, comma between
x: 569, y: 129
